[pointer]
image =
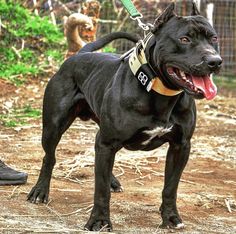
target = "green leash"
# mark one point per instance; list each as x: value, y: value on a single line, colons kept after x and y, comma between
x: 129, y: 6
x: 135, y: 14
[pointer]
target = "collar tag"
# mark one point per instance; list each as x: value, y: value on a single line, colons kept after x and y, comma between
x: 145, y: 76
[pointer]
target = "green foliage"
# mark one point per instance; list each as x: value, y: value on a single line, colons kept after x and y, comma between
x: 24, y: 39
x: 21, y: 23
x: 109, y: 49
x: 228, y: 82
x: 55, y: 55
x: 19, y: 117
x: 28, y: 55
x: 16, y: 72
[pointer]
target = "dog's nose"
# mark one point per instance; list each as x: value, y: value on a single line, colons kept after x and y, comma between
x: 213, y: 62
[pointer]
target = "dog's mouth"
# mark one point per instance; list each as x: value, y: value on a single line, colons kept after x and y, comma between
x: 199, y: 86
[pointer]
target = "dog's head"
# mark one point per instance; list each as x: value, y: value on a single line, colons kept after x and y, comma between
x: 185, y: 52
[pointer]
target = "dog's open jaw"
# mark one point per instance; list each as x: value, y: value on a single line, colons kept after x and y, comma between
x: 198, y: 85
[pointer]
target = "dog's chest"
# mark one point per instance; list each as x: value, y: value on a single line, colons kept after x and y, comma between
x: 145, y: 138
x: 155, y: 132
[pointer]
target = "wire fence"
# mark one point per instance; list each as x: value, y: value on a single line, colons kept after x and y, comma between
x: 221, y: 13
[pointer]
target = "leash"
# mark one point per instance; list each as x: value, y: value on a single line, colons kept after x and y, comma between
x: 135, y: 14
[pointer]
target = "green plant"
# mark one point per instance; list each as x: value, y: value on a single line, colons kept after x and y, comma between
x: 21, y: 23
x: 25, y: 37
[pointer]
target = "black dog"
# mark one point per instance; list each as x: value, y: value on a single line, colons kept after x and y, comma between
x: 174, y: 67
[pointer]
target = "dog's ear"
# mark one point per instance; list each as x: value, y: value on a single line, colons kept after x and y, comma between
x: 195, y: 11
x: 164, y: 17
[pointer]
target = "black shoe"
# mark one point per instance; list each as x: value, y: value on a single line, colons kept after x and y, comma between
x: 9, y: 176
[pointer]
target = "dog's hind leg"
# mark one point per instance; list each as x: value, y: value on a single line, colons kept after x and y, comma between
x: 59, y: 111
x: 115, y: 185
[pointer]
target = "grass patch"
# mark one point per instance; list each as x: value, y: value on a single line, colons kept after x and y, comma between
x: 55, y: 55
x: 20, y: 117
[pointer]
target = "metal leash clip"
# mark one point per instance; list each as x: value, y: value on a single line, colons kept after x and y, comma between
x: 135, y: 14
x: 142, y: 25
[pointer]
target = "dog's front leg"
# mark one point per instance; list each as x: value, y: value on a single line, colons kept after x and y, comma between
x: 104, y: 160
x: 177, y: 158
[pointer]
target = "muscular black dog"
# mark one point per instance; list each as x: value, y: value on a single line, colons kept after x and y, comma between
x: 183, y: 53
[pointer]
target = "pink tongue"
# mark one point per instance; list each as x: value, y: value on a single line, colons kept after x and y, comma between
x: 206, y: 85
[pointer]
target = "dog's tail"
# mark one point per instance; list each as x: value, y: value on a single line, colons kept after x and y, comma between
x: 100, y: 43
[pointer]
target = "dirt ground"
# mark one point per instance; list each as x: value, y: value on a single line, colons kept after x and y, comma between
x: 206, y: 195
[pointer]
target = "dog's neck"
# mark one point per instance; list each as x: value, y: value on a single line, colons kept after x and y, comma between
x: 144, y: 72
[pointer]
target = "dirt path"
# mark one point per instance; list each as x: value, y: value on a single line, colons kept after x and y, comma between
x: 207, y: 193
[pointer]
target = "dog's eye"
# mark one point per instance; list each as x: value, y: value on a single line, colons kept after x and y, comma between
x: 184, y: 40
x: 214, y: 39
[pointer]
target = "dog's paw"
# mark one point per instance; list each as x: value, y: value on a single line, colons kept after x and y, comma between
x: 98, y: 225
x: 38, y: 195
x: 118, y: 189
x: 172, y: 222
x: 170, y: 218
x: 115, y: 185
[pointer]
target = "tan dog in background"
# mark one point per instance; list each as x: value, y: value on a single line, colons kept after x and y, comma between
x: 80, y: 28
